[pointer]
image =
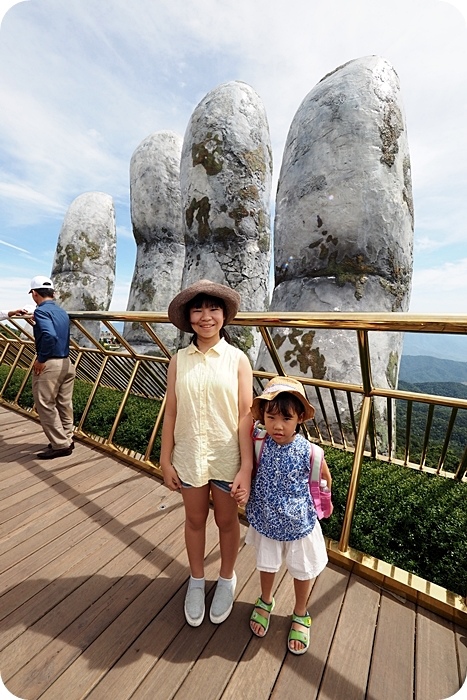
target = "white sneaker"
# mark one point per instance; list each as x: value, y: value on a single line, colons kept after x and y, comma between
x: 223, y: 600
x: 194, y: 606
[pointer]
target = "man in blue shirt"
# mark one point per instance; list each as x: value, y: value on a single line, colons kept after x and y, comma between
x: 53, y: 372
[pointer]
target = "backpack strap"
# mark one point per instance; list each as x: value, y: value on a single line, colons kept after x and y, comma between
x: 316, y: 460
x: 258, y: 434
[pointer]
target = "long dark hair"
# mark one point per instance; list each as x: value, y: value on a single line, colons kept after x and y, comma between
x: 198, y: 301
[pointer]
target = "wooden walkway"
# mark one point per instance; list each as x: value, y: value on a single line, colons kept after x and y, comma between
x: 93, y: 573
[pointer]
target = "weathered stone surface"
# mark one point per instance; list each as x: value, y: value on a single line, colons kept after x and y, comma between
x: 344, y: 221
x: 225, y: 177
x: 83, y: 269
x: 156, y: 216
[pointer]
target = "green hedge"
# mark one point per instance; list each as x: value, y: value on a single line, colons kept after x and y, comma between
x: 136, y: 424
x: 412, y: 520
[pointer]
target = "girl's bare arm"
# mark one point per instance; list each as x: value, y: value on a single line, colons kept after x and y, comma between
x: 171, y: 479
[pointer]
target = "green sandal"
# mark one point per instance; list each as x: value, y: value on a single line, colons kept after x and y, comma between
x: 298, y: 635
x: 260, y: 619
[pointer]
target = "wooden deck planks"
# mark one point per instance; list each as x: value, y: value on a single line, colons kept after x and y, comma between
x: 93, y: 574
x: 394, y: 650
x: 436, y: 666
x: 348, y: 663
x: 303, y: 675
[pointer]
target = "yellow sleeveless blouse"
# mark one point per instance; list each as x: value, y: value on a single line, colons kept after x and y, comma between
x: 206, y: 427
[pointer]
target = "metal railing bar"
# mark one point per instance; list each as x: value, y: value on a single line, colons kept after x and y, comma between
x: 435, y: 399
x: 273, y: 354
x: 338, y: 418
x: 122, y: 403
x: 426, y: 437
x: 462, y: 468
x: 155, y: 430
x: 352, y: 414
x: 355, y: 475
x: 447, y: 439
x: 92, y: 393
x: 86, y: 333
x: 408, y: 427
x: 11, y: 372
x: 27, y: 374
x: 150, y: 331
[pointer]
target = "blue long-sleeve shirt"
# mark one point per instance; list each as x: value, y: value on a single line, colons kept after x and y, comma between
x: 51, y: 331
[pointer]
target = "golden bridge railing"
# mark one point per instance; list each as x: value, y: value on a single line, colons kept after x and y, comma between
x: 120, y: 366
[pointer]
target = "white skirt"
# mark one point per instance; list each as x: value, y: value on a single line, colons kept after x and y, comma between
x: 304, y: 558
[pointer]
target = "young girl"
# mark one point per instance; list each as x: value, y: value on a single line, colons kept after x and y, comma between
x: 206, y: 443
x: 283, y: 520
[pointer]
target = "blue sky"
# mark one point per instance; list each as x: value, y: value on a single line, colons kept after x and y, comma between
x: 82, y: 83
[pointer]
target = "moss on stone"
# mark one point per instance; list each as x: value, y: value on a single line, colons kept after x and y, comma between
x: 209, y: 153
x: 278, y: 339
x: 64, y: 296
x: 389, y: 131
x: 407, y: 190
x: 223, y: 235
x: 244, y: 339
x: 90, y: 304
x: 391, y: 369
x: 249, y: 193
x: 238, y: 213
x: 264, y: 242
x: 255, y: 160
x: 199, y: 209
x: 304, y: 355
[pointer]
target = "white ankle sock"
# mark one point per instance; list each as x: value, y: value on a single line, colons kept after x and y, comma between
x: 196, y: 582
x: 228, y: 582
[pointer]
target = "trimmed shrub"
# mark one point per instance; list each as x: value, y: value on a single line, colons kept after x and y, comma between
x: 414, y: 520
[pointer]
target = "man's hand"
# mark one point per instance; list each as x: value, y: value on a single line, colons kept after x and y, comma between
x: 38, y: 367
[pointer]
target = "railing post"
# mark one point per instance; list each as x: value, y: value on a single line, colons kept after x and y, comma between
x: 355, y: 475
x: 365, y: 415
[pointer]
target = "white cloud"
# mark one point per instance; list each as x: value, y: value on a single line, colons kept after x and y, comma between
x: 120, y: 296
x: 441, y: 289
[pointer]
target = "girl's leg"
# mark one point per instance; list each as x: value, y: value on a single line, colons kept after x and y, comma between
x: 302, y: 593
x: 267, y: 583
x: 226, y: 517
x: 196, y: 502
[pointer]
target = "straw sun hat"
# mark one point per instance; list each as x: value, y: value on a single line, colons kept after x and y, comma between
x: 177, y: 306
x: 278, y: 385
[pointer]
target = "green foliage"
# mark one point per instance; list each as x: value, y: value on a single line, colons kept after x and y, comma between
x: 441, y: 417
x: 136, y: 423
x: 413, y: 520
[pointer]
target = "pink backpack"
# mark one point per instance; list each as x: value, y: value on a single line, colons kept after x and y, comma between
x: 321, y: 498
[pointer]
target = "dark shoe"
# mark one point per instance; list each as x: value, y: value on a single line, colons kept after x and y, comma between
x: 51, y: 454
x: 49, y: 446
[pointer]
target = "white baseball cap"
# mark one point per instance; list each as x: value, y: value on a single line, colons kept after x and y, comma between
x: 41, y: 282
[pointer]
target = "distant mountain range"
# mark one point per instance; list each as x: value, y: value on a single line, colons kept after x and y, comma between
x: 429, y: 357
x: 417, y: 369
x: 445, y: 347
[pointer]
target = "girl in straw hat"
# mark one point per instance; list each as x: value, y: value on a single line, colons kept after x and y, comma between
x: 282, y: 516
x: 206, y: 444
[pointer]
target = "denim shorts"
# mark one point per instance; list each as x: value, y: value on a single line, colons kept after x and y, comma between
x: 222, y: 485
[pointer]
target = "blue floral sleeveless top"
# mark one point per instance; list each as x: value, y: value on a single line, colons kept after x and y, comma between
x: 280, y: 505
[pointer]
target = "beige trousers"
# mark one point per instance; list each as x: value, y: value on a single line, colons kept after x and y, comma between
x: 53, y: 397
